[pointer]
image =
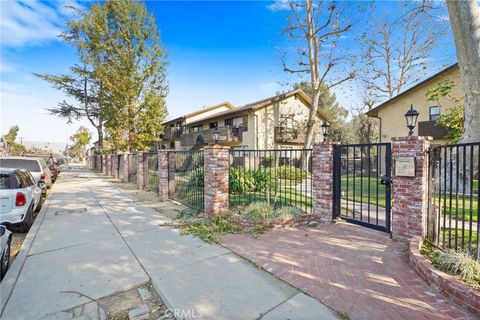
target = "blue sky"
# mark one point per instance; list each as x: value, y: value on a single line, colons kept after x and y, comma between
x: 217, y: 51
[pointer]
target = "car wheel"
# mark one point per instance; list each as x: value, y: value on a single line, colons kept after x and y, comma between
x: 27, y: 222
x: 5, y: 260
x: 39, y: 206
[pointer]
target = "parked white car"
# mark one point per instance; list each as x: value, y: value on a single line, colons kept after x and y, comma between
x: 20, y: 196
x: 36, y: 166
x: 5, y: 240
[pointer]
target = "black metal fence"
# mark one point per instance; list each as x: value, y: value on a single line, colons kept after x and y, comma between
x: 95, y: 162
x: 132, y: 167
x: 188, y: 178
x: 453, y: 221
x: 280, y: 177
x: 150, y: 167
x: 111, y: 164
x: 362, y: 189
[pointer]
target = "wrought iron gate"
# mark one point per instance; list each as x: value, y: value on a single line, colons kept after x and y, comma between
x: 362, y: 184
x: 187, y: 182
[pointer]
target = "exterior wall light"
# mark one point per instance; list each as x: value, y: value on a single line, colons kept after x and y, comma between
x: 325, y: 129
x: 411, y: 116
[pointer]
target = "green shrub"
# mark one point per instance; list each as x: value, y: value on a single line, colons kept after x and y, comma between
x: 197, y: 177
x: 458, y: 263
x: 291, y: 173
x: 188, y: 214
x: 288, y: 212
x: 259, y: 211
x: 243, y: 180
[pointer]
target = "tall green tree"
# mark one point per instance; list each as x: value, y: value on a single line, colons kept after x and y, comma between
x: 80, y: 139
x: 10, y: 137
x: 120, y: 41
x: 86, y: 91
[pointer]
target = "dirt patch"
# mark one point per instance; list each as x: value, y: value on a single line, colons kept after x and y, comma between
x: 17, y: 241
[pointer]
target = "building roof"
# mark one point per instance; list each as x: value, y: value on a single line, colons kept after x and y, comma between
x: 374, y: 111
x: 223, y: 104
x: 259, y: 105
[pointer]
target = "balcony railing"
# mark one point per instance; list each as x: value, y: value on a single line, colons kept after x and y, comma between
x: 289, y: 135
x: 430, y: 128
x: 172, y: 133
x: 226, y: 134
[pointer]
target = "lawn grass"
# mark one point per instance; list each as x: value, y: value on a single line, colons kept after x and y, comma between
x: 360, y: 185
x: 460, y: 209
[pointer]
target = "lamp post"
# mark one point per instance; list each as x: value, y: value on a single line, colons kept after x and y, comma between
x: 325, y: 129
x: 216, y: 136
x: 411, y: 116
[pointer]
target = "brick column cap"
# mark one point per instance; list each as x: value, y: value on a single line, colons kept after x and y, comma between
x: 217, y: 146
x: 412, y: 138
x: 326, y: 143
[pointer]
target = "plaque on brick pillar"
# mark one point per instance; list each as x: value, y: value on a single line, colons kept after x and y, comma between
x: 405, y: 166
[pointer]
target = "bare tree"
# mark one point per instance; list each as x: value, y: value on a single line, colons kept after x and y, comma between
x: 313, y: 25
x: 465, y: 23
x: 396, y: 52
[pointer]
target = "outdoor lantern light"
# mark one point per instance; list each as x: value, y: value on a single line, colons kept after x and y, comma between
x: 216, y: 136
x: 411, y: 116
x: 325, y: 127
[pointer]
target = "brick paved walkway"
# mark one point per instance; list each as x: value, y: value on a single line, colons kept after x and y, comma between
x: 348, y: 267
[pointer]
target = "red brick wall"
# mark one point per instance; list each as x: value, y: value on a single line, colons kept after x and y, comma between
x: 322, y: 180
x: 410, y: 194
x: 452, y: 288
x: 140, y: 171
x: 163, y: 175
x: 216, y: 159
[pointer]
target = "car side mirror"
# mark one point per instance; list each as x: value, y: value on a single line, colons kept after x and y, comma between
x: 41, y: 184
x: 2, y: 230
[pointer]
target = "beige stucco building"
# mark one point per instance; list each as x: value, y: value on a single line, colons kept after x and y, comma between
x: 273, y: 123
x: 390, y: 114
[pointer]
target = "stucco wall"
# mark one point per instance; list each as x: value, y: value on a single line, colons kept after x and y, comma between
x: 393, y: 122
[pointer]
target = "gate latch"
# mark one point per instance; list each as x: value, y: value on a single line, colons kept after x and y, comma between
x: 385, y: 180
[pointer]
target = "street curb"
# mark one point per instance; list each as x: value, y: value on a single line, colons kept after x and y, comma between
x: 10, y: 279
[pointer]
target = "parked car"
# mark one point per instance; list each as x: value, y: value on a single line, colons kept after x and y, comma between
x: 20, y: 196
x: 36, y: 166
x: 5, y: 240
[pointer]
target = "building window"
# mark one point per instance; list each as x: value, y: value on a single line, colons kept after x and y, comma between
x: 213, y: 125
x: 287, y: 122
x: 172, y: 145
x: 197, y: 128
x: 434, y: 113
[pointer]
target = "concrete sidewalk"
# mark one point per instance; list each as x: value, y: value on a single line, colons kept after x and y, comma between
x: 93, y: 240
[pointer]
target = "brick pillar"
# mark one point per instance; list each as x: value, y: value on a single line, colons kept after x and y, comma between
x: 140, y: 171
x: 99, y: 162
x: 109, y: 164
x: 163, y: 175
x: 410, y: 194
x: 104, y: 164
x: 125, y: 167
x: 322, y: 180
x: 115, y: 166
x: 217, y: 164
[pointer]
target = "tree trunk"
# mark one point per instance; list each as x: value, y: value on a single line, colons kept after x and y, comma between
x: 311, y: 120
x: 465, y: 22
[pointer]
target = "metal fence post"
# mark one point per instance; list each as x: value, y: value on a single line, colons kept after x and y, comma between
x: 140, y: 170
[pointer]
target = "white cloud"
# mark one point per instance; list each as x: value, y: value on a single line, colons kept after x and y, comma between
x: 24, y: 23
x: 279, y: 5
x: 6, y: 67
